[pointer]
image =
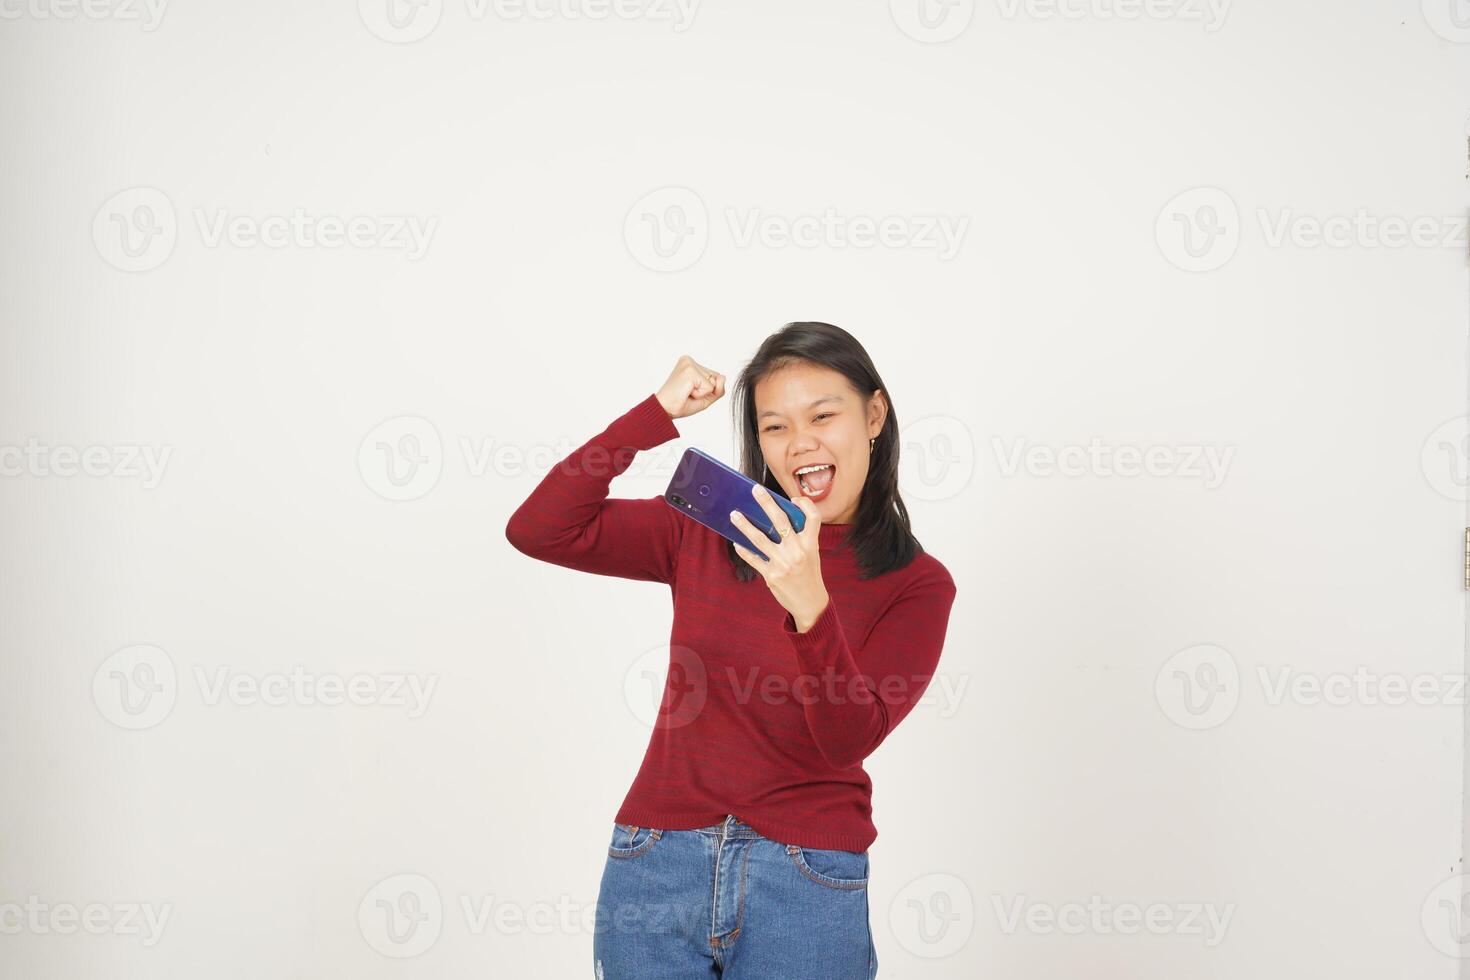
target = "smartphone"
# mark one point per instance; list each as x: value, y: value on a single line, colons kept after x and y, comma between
x: 706, y: 490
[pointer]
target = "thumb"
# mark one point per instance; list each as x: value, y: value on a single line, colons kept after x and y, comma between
x: 813, y: 516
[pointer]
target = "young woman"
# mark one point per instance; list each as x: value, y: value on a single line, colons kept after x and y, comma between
x: 741, y: 849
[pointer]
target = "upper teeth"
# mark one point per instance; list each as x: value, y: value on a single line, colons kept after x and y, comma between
x: 812, y: 469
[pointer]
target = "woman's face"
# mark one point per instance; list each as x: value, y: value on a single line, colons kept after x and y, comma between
x: 808, y: 415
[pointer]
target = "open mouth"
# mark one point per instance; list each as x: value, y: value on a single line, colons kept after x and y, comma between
x: 816, y: 481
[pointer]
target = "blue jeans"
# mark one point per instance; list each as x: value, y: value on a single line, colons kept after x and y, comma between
x: 724, y: 901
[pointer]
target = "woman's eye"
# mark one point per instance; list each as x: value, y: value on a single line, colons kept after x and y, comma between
x: 824, y: 415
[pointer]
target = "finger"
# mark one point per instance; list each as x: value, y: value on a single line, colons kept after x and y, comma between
x: 756, y: 535
x: 778, y: 517
x: 698, y: 383
x: 752, y: 560
x: 813, y: 517
x: 704, y: 387
x: 712, y: 377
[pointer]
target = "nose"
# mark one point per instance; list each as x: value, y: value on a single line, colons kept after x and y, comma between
x: 803, y: 443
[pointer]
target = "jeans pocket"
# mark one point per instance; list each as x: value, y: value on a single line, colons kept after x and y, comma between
x: 629, y: 840
x: 831, y: 867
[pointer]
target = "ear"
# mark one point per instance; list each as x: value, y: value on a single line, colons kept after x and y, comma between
x: 877, y: 412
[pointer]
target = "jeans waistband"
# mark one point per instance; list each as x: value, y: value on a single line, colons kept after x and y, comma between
x: 732, y: 826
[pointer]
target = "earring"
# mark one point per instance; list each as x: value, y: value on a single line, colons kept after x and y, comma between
x: 870, y: 445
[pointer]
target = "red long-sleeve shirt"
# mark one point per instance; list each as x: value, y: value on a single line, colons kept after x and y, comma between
x: 757, y: 719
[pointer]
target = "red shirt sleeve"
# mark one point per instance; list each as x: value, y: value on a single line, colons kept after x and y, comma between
x: 568, y: 519
x: 878, y: 685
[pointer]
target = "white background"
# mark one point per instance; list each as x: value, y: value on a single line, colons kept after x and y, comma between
x: 527, y: 148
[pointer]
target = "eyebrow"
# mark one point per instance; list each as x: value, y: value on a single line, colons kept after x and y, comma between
x: 819, y: 401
